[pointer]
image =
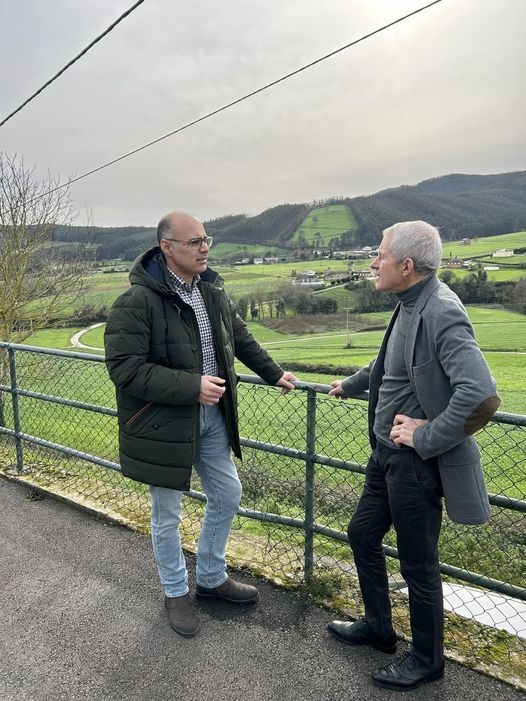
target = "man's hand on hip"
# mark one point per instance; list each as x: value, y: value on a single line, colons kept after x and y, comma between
x: 403, y: 429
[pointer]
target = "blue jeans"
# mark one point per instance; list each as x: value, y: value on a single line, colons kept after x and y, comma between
x: 222, y: 487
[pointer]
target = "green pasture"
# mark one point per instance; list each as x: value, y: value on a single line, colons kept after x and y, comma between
x: 501, y: 335
x: 106, y: 287
x: 221, y: 251
x: 485, y: 246
x: 500, y: 275
x: 281, y: 271
x: 325, y: 223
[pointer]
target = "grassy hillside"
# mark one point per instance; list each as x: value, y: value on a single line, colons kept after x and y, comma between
x: 274, y: 226
x: 236, y: 251
x: 323, y: 224
x: 485, y: 247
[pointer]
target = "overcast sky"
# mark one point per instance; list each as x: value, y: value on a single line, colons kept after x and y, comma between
x: 442, y: 92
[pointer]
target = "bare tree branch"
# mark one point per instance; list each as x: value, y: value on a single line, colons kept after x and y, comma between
x: 40, y: 279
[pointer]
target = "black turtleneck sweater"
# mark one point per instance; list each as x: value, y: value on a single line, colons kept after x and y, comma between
x: 396, y: 395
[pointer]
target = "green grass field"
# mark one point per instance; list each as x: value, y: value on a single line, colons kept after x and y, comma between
x: 485, y: 246
x: 221, y: 251
x: 501, y: 335
x: 324, y: 223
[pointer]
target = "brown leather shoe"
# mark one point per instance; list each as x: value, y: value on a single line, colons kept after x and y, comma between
x: 232, y: 591
x: 181, y: 615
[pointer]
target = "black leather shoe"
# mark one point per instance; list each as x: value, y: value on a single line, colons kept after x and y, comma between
x: 231, y: 591
x: 361, y: 633
x: 406, y: 673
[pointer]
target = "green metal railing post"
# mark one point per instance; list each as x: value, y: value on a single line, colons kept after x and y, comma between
x: 310, y: 462
x: 16, y: 411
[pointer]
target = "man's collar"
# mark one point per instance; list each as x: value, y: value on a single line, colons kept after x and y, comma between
x: 181, y: 284
x: 411, y: 294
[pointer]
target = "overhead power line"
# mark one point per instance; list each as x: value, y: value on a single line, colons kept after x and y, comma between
x: 74, y: 60
x: 244, y: 97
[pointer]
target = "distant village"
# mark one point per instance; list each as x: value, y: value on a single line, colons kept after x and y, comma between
x: 319, y: 280
x: 315, y: 280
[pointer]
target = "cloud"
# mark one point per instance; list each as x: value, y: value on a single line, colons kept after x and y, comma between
x: 440, y: 92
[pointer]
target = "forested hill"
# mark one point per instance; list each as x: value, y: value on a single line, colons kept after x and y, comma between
x: 461, y: 205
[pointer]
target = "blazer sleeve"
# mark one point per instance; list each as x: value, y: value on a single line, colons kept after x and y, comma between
x: 453, y: 383
x: 355, y: 384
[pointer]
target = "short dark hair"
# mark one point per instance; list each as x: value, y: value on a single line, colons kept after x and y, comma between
x: 164, y: 227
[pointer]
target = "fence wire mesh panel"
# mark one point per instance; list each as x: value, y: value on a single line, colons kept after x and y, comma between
x: 302, y: 472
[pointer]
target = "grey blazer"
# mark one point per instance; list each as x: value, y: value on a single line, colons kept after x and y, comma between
x: 453, y: 385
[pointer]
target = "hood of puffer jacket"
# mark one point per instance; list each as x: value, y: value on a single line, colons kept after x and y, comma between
x: 150, y: 270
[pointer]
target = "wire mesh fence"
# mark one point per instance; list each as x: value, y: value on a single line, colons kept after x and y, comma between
x: 302, y: 474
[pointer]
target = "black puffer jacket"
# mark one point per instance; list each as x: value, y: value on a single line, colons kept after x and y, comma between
x: 154, y: 358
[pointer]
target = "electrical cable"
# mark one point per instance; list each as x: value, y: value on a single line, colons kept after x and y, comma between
x: 74, y: 60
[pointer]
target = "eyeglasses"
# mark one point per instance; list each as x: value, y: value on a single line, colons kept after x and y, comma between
x: 195, y: 243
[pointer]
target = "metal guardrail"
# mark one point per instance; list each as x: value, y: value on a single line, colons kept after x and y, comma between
x: 312, y: 490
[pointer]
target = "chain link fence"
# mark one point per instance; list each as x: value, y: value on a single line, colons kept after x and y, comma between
x: 302, y: 474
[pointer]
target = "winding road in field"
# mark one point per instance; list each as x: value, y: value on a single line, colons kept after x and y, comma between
x: 77, y: 343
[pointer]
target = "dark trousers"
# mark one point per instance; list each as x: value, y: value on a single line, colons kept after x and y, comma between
x: 405, y: 491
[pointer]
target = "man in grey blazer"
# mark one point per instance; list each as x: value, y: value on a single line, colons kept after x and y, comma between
x: 430, y: 390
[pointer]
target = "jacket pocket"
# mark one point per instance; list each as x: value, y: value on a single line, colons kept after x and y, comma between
x: 138, y: 415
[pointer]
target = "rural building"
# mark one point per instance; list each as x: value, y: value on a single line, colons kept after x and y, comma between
x: 361, y: 275
x: 334, y: 277
x: 454, y: 263
x: 503, y: 253
x: 308, y: 278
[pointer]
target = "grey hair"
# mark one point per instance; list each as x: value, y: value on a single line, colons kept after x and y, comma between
x: 417, y: 240
x: 164, y: 227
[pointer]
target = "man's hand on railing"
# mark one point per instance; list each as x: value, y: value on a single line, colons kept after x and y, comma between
x: 285, y: 382
x: 337, y: 390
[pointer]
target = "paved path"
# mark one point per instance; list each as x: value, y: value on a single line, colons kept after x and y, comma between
x: 82, y: 618
x: 77, y: 343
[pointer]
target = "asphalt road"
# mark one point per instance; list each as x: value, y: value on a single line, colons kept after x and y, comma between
x: 82, y: 618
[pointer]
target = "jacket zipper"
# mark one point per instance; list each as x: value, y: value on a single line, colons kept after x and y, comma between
x: 137, y: 415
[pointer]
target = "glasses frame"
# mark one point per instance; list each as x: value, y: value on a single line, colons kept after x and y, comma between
x: 195, y: 243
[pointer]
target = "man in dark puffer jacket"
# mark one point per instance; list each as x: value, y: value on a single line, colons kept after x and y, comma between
x: 171, y: 341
